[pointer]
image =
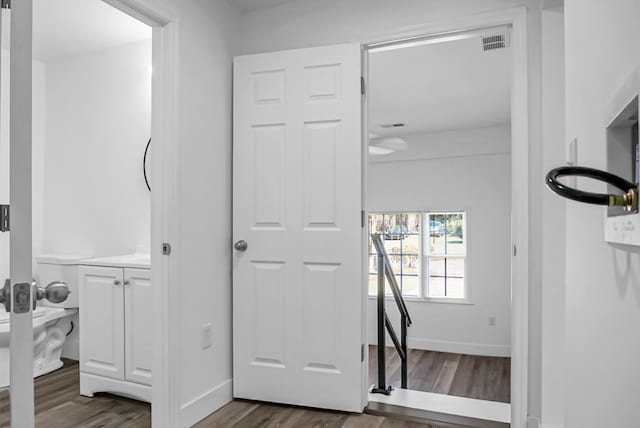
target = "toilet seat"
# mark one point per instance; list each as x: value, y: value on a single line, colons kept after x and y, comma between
x: 4, y: 315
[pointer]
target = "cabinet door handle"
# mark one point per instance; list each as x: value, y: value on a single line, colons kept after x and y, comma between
x: 126, y: 282
x: 116, y: 282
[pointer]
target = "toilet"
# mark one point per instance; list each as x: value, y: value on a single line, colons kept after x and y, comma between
x: 51, y: 322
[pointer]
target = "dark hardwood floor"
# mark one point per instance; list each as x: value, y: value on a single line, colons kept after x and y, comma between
x: 483, y: 378
x: 247, y: 414
x: 60, y: 405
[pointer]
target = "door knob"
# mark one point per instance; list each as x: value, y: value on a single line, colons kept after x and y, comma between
x: 55, y: 292
x: 241, y: 245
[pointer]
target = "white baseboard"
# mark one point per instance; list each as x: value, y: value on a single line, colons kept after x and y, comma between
x: 452, y: 347
x: 205, y: 404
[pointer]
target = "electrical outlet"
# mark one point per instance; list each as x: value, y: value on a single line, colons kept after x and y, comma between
x: 207, y: 336
x: 492, y: 321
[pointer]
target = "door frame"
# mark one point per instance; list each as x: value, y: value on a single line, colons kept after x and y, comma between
x: 165, y: 409
x: 521, y: 139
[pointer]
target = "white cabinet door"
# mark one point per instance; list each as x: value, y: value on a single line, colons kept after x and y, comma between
x: 102, y: 321
x: 138, y: 325
x: 298, y: 292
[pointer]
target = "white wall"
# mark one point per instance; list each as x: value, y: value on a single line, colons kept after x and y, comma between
x: 98, y: 121
x: 201, y: 255
x: 39, y: 107
x: 445, y: 171
x: 602, y: 281
x: 38, y: 129
x: 551, y: 358
x: 307, y: 23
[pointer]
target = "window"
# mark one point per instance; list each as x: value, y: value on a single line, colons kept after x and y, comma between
x: 442, y: 246
x: 402, y: 241
x: 446, y: 252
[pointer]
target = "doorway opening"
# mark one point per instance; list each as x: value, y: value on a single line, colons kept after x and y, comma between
x: 439, y: 188
x: 92, y: 102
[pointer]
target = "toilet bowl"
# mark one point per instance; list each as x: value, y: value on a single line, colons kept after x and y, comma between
x: 51, y: 322
x: 50, y: 328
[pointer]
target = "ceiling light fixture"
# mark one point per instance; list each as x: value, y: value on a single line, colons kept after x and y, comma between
x: 379, y: 146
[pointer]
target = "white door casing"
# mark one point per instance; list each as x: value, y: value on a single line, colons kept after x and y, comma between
x: 138, y: 325
x: 297, y: 289
x: 20, y: 82
x: 102, y: 321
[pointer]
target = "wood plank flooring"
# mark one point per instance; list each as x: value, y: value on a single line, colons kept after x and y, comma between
x: 248, y: 414
x: 60, y: 405
x: 483, y: 378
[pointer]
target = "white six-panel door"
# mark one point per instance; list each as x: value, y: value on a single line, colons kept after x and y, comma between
x: 297, y: 289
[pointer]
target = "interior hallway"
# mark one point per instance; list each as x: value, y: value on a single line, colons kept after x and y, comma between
x: 471, y: 376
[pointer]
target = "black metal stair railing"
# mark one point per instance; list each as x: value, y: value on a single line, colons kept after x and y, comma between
x: 385, y: 271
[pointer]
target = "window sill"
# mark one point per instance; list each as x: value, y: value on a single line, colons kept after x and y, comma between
x: 439, y: 300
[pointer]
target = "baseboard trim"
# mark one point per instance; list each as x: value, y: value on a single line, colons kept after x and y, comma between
x: 205, y: 404
x: 453, y: 347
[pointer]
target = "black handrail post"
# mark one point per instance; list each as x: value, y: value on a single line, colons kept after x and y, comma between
x: 382, y: 381
x: 403, y: 344
x: 384, y: 324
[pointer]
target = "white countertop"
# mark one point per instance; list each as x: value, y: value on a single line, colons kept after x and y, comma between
x: 136, y: 260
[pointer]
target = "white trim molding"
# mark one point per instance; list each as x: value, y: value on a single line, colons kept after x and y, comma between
x: 203, y: 405
x: 165, y: 409
x: 465, y: 348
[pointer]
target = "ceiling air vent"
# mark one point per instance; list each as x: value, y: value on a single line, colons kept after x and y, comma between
x: 495, y: 41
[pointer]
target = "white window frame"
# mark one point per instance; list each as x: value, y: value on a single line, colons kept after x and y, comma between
x: 427, y: 255
x: 423, y: 276
x: 421, y: 269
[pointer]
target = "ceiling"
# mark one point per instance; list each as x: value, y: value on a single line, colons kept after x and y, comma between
x: 64, y: 28
x: 439, y: 87
x: 245, y: 6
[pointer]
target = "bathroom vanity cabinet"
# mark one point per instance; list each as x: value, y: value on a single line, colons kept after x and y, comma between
x: 115, y: 330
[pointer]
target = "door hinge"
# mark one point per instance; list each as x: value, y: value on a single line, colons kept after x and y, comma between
x: 362, y: 85
x: 362, y: 353
x: 166, y: 249
x: 362, y: 218
x: 4, y: 218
